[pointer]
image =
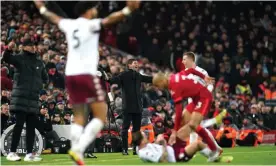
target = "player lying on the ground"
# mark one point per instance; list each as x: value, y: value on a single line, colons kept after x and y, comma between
x: 161, y: 152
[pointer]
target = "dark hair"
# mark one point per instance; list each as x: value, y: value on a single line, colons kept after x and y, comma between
x: 137, y: 138
x: 190, y: 55
x: 130, y: 61
x: 82, y: 6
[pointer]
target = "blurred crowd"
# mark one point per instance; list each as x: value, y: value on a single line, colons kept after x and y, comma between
x: 235, y: 47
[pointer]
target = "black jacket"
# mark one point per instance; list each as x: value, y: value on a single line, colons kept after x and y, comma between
x: 130, y: 82
x: 29, y: 76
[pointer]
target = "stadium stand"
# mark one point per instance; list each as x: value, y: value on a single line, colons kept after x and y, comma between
x: 234, y: 43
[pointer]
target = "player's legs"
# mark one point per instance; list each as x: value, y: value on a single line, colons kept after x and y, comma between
x: 85, y: 92
x: 190, y: 108
x: 99, y: 110
x: 194, y: 136
x: 194, y: 124
x: 215, y: 120
x: 79, y: 121
x: 186, y: 116
x: 191, y: 126
x: 196, y: 146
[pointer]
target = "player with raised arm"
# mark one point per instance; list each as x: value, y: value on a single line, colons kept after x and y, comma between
x: 181, y: 87
x: 189, y: 62
x: 82, y: 83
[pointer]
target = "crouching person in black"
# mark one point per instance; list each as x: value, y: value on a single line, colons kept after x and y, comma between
x: 46, y: 129
x: 29, y: 76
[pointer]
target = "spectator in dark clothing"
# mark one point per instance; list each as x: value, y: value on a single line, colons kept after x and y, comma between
x: 51, y: 107
x: 6, y: 83
x: 67, y: 118
x: 267, y: 117
x: 254, y: 115
x: 57, y: 119
x: 55, y: 77
x: 5, y: 115
x: 159, y: 127
x: 235, y: 114
x: 42, y: 97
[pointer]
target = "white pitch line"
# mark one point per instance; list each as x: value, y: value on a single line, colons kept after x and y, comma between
x: 222, y: 153
x: 67, y: 161
x: 108, y: 160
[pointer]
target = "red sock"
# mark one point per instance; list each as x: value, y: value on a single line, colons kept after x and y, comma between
x: 206, y: 138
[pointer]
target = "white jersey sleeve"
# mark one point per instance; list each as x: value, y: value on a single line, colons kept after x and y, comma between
x: 151, y: 153
x: 95, y: 25
x: 64, y: 24
x: 210, y: 87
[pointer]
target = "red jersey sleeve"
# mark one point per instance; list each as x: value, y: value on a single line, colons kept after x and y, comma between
x: 195, y: 72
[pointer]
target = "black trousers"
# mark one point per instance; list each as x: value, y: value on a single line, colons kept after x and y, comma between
x: 90, y: 148
x: 21, y: 118
x: 225, y: 142
x: 249, y: 140
x: 136, y: 125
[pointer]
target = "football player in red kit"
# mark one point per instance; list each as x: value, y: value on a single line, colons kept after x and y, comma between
x: 181, y: 87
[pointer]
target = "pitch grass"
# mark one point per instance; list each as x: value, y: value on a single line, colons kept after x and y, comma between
x: 262, y: 155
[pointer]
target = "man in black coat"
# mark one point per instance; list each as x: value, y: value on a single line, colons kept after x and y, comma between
x: 130, y: 82
x: 29, y: 76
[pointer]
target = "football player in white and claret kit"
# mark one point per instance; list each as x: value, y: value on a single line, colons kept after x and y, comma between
x: 82, y: 83
x: 160, y: 152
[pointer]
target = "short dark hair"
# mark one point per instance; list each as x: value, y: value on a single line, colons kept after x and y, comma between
x: 82, y: 6
x: 190, y: 55
x: 130, y: 61
x: 137, y: 138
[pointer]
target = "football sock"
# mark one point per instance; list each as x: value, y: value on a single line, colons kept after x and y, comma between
x: 206, y: 152
x: 206, y: 138
x: 208, y: 122
x: 76, y: 131
x: 90, y: 133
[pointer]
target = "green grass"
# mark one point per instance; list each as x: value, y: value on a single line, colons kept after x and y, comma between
x: 262, y: 155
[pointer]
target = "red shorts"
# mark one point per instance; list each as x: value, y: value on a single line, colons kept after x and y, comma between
x: 180, y: 153
x: 84, y: 89
x: 201, y: 103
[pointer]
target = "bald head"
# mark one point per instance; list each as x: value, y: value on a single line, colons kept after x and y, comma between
x: 161, y: 80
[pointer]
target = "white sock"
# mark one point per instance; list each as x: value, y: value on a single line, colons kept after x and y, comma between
x: 29, y: 155
x: 89, y: 134
x: 193, y: 137
x: 206, y: 152
x: 213, y: 139
x: 76, y: 131
x: 208, y: 122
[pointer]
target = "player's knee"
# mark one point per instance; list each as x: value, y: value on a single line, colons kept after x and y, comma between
x: 99, y: 110
x: 192, y: 125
